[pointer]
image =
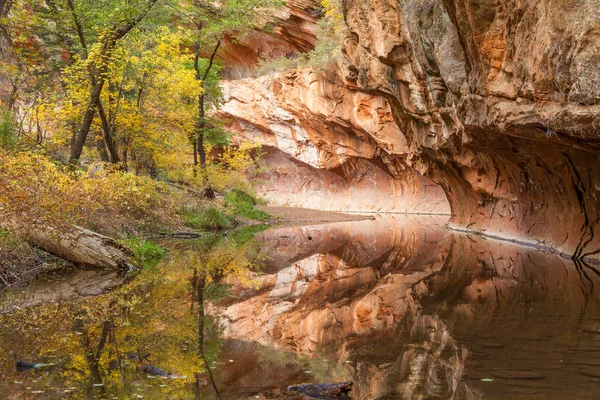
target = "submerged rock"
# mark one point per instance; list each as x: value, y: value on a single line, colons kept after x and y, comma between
x: 324, y: 390
x: 153, y: 371
x: 23, y: 365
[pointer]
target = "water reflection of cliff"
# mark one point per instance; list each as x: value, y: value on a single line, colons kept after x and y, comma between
x: 409, y: 310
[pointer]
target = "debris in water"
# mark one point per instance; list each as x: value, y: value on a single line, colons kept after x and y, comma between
x: 152, y: 370
x: 23, y: 365
x: 318, y: 390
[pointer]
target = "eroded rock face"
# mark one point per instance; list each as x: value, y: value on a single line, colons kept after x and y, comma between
x: 288, y: 33
x: 497, y: 102
x: 356, y: 185
x: 347, y: 151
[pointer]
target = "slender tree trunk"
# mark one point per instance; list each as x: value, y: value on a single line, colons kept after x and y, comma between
x: 102, y: 150
x: 125, y: 158
x: 200, y: 133
x: 209, y: 193
x: 201, y: 126
x: 194, y: 144
x: 88, y: 118
x: 107, y: 135
x: 135, y: 163
x: 5, y: 6
x: 98, y: 73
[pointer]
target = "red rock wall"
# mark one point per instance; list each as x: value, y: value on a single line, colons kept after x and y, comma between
x: 356, y: 185
x: 337, y: 148
x: 497, y: 102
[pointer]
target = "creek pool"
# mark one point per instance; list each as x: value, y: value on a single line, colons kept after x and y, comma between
x: 401, y: 306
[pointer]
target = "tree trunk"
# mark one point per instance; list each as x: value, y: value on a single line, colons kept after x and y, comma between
x: 201, y: 126
x: 200, y: 133
x: 88, y: 118
x: 102, y: 150
x: 209, y: 193
x: 107, y: 135
x: 78, y: 245
x: 125, y: 159
x: 195, y: 152
x: 97, y: 74
x: 200, y: 280
x: 4, y: 7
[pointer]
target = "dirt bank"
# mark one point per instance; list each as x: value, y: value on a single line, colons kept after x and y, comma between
x: 302, y: 215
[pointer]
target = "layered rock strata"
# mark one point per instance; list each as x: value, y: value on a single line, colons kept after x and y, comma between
x: 500, y: 104
x: 356, y: 185
x: 288, y: 33
x: 497, y: 102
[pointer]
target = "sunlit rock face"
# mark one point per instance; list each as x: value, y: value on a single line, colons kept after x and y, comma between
x: 497, y: 102
x: 405, y: 308
x: 356, y: 185
x: 332, y: 148
x: 285, y: 33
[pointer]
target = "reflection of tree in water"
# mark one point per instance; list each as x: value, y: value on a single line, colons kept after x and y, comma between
x: 216, y: 263
x: 92, y: 356
x: 200, y: 285
x: 102, y: 352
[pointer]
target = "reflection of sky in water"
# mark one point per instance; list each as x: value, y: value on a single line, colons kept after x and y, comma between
x: 399, y: 305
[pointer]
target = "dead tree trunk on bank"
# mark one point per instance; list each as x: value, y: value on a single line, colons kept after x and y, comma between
x: 76, y: 244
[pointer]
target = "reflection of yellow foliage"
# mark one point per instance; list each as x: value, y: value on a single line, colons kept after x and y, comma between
x: 152, y: 314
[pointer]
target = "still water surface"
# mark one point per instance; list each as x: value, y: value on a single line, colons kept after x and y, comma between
x: 399, y: 305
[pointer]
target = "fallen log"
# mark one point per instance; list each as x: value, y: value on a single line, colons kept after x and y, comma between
x: 78, y: 245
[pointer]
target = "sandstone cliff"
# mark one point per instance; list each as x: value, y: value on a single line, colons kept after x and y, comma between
x: 496, y: 102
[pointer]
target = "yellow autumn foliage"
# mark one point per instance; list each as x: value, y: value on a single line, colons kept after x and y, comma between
x: 229, y: 170
x: 36, y: 190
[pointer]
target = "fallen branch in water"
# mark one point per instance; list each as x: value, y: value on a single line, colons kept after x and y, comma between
x: 181, y: 235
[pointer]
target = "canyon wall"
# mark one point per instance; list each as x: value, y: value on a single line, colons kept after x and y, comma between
x: 496, y: 102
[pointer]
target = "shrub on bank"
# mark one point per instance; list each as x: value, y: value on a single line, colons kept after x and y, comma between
x: 17, y: 259
x: 244, y: 204
x: 209, y: 218
x: 34, y: 190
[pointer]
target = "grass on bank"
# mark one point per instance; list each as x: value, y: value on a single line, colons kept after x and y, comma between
x: 209, y: 218
x: 237, y: 207
x: 147, y: 253
x: 244, y: 204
